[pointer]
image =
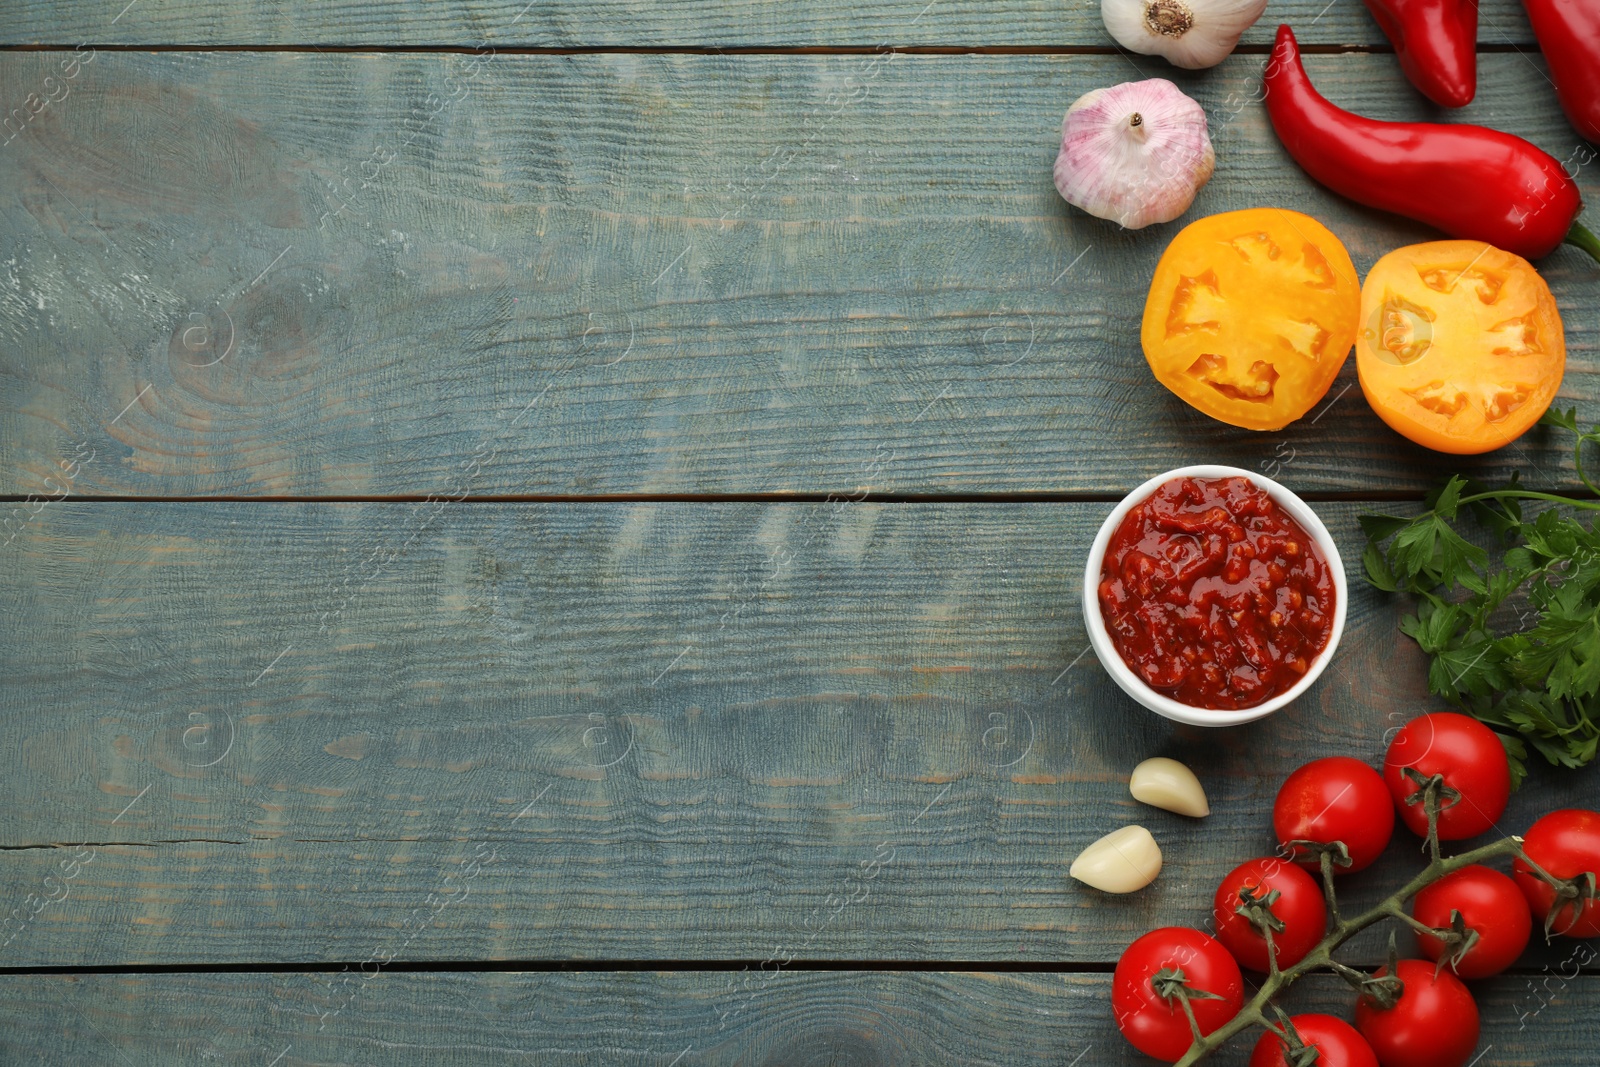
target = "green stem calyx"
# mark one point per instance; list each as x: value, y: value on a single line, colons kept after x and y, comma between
x: 1384, y: 990
x: 1580, y: 891
x: 1459, y: 940
x: 1330, y: 854
x: 1296, y: 1053
x: 1258, y: 910
x: 1170, y: 983
x: 1434, y: 796
x: 1582, y: 237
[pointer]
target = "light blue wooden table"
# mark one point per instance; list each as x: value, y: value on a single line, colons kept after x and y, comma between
x: 551, y: 534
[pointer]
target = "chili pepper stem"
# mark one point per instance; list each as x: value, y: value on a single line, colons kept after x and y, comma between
x: 1581, y: 236
x: 1321, y: 957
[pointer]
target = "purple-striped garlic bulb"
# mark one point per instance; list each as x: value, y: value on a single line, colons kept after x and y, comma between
x: 1136, y: 153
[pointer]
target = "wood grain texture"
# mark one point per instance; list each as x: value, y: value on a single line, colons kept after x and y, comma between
x: 666, y: 23
x: 681, y: 731
x: 605, y: 274
x: 653, y: 1019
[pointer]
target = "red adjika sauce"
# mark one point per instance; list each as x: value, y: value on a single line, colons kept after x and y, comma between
x: 1214, y: 595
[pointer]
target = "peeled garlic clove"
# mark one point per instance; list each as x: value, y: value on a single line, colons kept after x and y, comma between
x: 1135, y: 153
x: 1120, y: 862
x: 1188, y: 33
x: 1166, y: 783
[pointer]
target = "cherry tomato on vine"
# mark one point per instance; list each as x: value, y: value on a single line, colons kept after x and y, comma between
x: 1491, y: 904
x: 1335, y: 799
x: 1434, y: 1023
x: 1565, y: 843
x: 1299, y: 907
x: 1155, y: 1024
x: 1473, y: 762
x: 1338, y: 1044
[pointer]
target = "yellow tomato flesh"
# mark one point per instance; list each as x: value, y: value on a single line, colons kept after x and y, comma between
x: 1461, y: 346
x: 1251, y: 314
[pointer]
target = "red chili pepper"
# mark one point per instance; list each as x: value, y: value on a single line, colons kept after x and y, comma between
x: 1569, y: 33
x: 1436, y: 42
x: 1469, y: 181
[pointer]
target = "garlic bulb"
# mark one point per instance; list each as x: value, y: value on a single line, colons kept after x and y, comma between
x: 1166, y: 783
x: 1192, y: 34
x: 1120, y: 862
x: 1135, y: 153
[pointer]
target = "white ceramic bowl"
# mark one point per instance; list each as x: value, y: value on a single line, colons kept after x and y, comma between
x: 1132, y: 684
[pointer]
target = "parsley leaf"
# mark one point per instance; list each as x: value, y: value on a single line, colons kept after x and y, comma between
x: 1534, y: 677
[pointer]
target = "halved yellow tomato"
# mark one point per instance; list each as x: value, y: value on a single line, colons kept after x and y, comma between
x: 1461, y: 346
x: 1251, y: 314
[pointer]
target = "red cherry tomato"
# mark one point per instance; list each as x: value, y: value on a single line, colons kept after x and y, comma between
x: 1299, y: 907
x: 1336, y: 1041
x: 1473, y: 762
x: 1335, y: 799
x: 1491, y: 904
x: 1567, y: 844
x: 1156, y: 1025
x: 1434, y: 1024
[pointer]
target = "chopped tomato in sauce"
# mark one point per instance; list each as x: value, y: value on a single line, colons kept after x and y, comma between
x: 1214, y: 595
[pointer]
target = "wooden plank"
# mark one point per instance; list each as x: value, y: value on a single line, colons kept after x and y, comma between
x: 681, y: 730
x: 623, y: 274
x: 665, y: 1019
x: 664, y: 23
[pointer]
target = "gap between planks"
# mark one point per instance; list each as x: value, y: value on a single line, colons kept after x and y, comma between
x: 1016, y: 497
x: 1263, y: 49
x: 845, y: 966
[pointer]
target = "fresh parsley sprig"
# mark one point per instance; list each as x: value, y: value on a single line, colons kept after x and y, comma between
x: 1514, y: 642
